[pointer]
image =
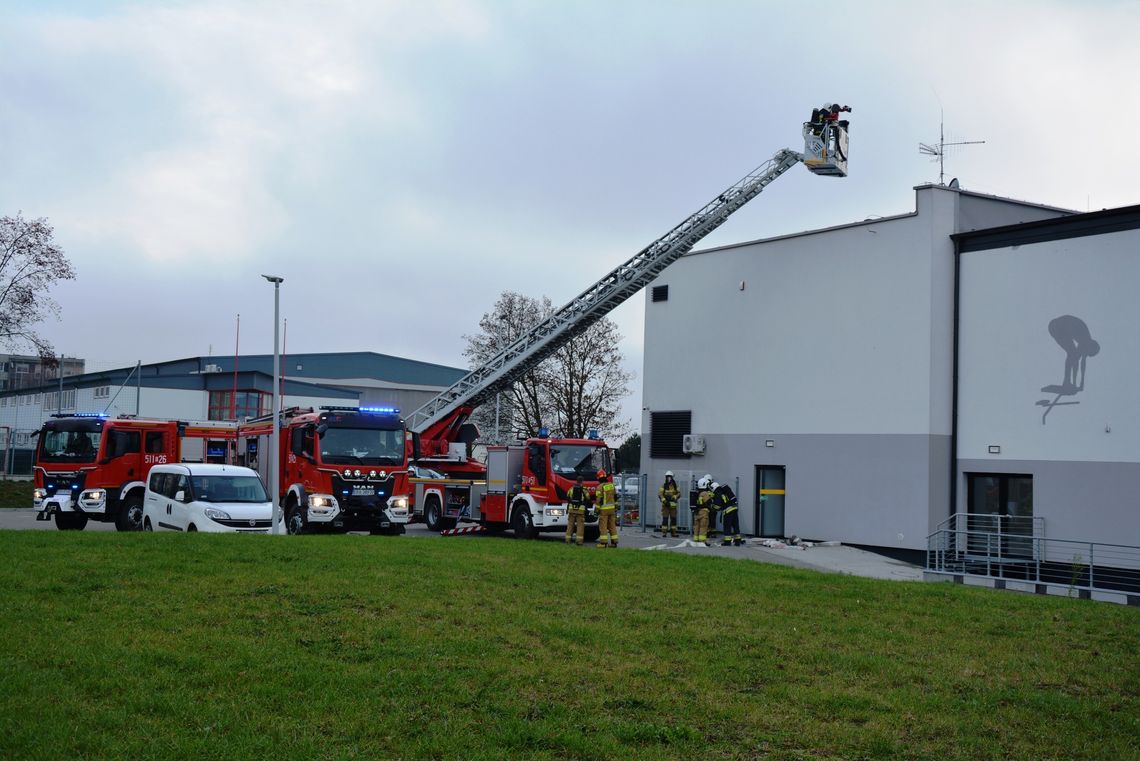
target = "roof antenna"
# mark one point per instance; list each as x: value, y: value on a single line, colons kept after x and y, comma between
x: 938, y: 151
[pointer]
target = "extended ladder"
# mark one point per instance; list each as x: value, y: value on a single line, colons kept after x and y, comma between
x: 599, y: 299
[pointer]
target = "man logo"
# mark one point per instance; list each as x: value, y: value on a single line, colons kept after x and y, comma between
x: 1071, y: 334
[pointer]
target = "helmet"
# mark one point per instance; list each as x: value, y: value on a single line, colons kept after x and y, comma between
x: 668, y: 474
x: 601, y: 474
x: 708, y: 478
x: 703, y: 483
x: 714, y: 486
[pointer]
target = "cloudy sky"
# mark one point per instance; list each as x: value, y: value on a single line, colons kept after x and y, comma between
x: 401, y: 163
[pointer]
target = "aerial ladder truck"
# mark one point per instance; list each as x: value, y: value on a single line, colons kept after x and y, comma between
x: 524, y: 487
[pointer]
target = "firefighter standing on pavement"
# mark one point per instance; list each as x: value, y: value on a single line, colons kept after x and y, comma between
x: 725, y: 499
x: 701, y: 513
x: 577, y: 499
x: 605, y: 497
x: 669, y: 493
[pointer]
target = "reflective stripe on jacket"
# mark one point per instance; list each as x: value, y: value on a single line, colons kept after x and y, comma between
x: 606, y: 496
x: 669, y: 494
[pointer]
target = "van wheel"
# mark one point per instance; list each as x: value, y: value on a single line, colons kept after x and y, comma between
x: 130, y: 516
x: 294, y: 518
x: 70, y: 521
x: 521, y: 522
x: 146, y: 525
x: 191, y: 527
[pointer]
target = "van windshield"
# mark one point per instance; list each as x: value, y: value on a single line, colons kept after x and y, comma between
x: 228, y: 489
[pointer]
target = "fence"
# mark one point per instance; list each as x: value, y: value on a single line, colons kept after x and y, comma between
x: 1007, y: 547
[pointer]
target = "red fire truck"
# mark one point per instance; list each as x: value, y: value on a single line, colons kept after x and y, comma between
x: 91, y: 467
x: 524, y: 487
x: 342, y: 468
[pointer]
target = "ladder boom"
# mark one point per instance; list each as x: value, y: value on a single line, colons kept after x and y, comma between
x: 599, y: 299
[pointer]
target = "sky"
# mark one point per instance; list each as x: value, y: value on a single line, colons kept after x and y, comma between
x: 400, y: 164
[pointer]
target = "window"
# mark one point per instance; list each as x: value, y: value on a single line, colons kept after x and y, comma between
x: 224, y: 406
x: 302, y: 443
x: 4, y: 402
x: 660, y: 293
x: 39, y: 398
x: 69, y: 400
x: 51, y: 399
x: 667, y: 431
x: 155, y: 443
x: 536, y: 461
x: 102, y: 392
x: 120, y: 443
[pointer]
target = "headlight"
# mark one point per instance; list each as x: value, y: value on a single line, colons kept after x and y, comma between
x: 356, y: 473
x: 93, y: 495
x: 555, y: 512
x: 215, y: 514
x: 399, y: 503
x: 38, y: 494
x: 321, y: 502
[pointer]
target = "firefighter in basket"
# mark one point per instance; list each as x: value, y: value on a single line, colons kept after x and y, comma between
x: 605, y: 498
x: 668, y: 494
x: 577, y: 500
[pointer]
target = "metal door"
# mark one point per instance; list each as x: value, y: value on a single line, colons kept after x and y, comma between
x: 769, y: 516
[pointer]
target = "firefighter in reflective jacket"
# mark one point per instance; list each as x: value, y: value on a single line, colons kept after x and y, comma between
x: 668, y: 494
x: 605, y: 497
x: 577, y: 499
x: 725, y: 499
x: 701, y: 511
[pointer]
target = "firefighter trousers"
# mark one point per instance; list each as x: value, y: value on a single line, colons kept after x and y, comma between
x: 731, y: 525
x: 669, y: 519
x: 701, y: 524
x: 576, y: 525
x: 607, y: 526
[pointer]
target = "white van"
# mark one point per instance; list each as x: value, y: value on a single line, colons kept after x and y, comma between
x: 206, y: 497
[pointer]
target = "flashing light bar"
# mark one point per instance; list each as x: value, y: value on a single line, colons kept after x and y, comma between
x: 592, y: 434
x: 83, y: 414
x: 369, y: 410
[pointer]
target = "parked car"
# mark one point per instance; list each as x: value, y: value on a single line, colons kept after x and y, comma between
x: 206, y: 497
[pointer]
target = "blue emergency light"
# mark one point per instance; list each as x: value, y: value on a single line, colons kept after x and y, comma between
x: 543, y: 433
x: 380, y: 410
x: 592, y: 434
x: 89, y: 414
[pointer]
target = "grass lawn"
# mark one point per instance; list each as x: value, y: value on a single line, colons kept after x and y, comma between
x: 197, y: 646
x: 15, y: 493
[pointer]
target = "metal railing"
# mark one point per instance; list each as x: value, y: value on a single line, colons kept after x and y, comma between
x: 966, y: 545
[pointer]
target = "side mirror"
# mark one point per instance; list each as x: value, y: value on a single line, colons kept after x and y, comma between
x: 322, y: 428
x: 179, y: 496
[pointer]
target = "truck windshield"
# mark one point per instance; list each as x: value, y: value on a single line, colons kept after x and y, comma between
x: 362, y: 446
x: 228, y: 489
x: 68, y: 446
x: 579, y: 460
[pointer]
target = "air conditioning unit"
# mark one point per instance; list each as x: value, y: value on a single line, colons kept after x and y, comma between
x: 212, y: 369
x: 693, y: 443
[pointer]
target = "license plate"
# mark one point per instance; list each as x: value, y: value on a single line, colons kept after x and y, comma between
x: 363, y: 491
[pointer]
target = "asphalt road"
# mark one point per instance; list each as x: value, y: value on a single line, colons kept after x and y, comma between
x: 833, y: 558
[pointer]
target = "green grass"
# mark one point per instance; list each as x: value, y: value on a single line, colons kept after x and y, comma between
x: 15, y: 493
x: 196, y: 646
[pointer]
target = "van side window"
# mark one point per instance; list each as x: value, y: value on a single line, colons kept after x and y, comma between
x: 157, y: 482
x: 124, y: 442
x: 154, y: 442
x: 178, y: 483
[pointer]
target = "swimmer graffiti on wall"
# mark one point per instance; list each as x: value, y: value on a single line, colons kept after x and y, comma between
x: 1071, y: 334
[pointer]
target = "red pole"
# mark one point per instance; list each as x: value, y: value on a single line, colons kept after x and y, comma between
x: 233, y: 396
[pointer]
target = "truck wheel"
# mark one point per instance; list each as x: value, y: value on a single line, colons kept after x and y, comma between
x: 521, y: 522
x: 433, y: 514
x: 294, y: 518
x: 130, y: 516
x: 70, y: 521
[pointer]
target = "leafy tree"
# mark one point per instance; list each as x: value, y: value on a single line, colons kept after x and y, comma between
x: 578, y: 388
x: 629, y: 455
x: 30, y: 264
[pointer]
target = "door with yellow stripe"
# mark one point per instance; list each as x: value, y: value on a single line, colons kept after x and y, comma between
x: 770, y: 494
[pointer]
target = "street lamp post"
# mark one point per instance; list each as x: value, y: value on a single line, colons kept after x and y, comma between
x: 275, y: 438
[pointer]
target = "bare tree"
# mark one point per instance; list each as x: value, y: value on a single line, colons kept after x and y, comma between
x: 578, y: 388
x: 30, y: 264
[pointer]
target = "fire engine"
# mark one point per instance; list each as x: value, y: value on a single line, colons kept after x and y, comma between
x: 92, y: 467
x: 525, y: 487
x: 342, y: 468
